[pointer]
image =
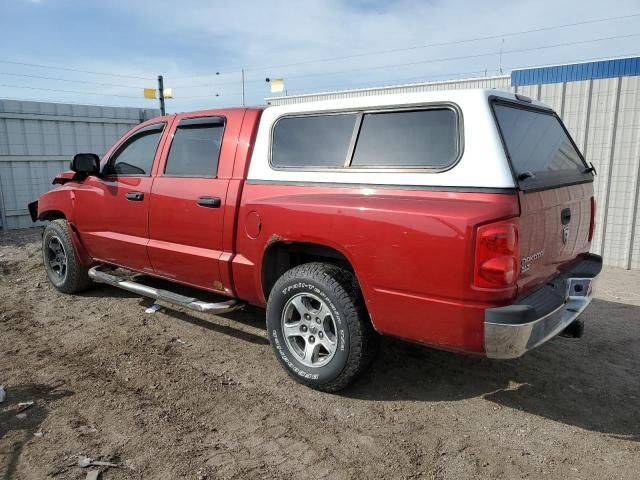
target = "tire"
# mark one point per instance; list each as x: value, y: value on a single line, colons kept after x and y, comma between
x: 60, y: 260
x: 326, y: 354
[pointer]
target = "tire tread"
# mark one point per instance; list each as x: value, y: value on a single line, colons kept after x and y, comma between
x: 77, y: 279
x: 343, y: 286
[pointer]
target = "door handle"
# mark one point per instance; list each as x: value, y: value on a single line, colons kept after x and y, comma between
x: 134, y: 196
x: 210, y: 202
x: 565, y: 216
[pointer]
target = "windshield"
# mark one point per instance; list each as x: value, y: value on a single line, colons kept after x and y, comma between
x: 541, y: 152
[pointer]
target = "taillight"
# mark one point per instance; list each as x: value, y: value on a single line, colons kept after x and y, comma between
x: 592, y: 225
x: 497, y: 255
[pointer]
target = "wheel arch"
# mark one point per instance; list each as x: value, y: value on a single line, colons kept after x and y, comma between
x: 75, y: 279
x: 56, y: 204
x: 281, y: 256
x: 50, y: 215
x: 81, y: 252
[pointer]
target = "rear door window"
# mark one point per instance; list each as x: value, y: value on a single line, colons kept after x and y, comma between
x: 541, y: 152
x: 195, y: 148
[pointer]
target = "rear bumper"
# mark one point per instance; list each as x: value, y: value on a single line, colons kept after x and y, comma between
x: 511, y: 331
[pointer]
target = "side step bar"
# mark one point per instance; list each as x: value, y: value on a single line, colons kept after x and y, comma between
x: 164, y: 295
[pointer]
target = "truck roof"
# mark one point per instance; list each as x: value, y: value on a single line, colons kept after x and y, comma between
x: 212, y: 111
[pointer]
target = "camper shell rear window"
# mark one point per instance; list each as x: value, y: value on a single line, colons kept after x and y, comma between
x: 541, y: 152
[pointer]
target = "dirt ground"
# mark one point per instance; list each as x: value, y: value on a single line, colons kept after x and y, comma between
x: 178, y: 394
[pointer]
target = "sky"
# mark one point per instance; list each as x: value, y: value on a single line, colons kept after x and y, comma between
x: 201, y: 47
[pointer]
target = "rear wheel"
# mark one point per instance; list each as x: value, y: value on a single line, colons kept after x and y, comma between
x: 60, y: 260
x: 318, y: 326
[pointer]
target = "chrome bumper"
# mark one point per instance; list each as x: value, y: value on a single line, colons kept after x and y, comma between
x: 511, y: 331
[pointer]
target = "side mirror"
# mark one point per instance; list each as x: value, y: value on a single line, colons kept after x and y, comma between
x: 86, y: 164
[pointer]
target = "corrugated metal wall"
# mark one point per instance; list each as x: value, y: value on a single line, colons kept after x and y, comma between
x: 603, y: 116
x: 37, y: 140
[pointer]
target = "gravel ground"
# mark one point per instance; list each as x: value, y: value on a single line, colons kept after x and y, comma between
x: 178, y: 394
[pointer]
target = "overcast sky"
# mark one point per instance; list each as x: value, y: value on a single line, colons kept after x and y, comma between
x: 287, y: 39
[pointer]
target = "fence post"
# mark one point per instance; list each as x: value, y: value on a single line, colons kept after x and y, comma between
x: 3, y: 216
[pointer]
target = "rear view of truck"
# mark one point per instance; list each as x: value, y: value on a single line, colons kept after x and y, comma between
x: 545, y: 251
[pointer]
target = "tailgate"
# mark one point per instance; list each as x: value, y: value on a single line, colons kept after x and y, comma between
x: 554, y: 230
x: 556, y: 190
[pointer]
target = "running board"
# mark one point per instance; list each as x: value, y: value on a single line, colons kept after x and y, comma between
x: 163, y: 295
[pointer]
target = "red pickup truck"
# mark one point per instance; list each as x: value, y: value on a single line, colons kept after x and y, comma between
x: 457, y: 219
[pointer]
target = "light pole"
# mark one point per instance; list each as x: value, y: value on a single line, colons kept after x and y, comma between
x: 161, y: 94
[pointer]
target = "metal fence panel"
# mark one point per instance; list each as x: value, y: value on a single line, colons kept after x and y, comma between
x: 553, y: 95
x: 577, y: 103
x: 37, y: 140
x: 599, y: 147
x: 21, y: 182
x: 622, y: 240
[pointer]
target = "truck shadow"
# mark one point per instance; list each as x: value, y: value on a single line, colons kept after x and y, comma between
x: 591, y: 383
x: 107, y: 291
x: 19, y: 431
x: 249, y: 316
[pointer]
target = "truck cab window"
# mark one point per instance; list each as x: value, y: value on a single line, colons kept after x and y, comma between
x: 135, y: 157
x: 195, y: 148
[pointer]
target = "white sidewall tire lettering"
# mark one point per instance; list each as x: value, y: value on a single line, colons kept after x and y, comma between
x: 355, y: 338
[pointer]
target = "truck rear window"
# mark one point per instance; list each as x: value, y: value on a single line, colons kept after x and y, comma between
x: 541, y: 152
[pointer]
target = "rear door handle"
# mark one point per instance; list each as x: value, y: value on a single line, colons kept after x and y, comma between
x: 135, y: 196
x: 210, y: 202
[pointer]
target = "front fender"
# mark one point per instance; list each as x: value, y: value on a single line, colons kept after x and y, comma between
x: 57, y: 200
x: 59, y: 203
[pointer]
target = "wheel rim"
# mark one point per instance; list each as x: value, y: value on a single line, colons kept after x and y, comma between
x: 309, y: 330
x: 56, y: 257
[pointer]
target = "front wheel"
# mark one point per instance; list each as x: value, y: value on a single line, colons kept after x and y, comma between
x: 61, y: 263
x: 318, y: 326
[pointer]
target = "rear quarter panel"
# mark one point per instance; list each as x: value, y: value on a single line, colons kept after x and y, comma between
x: 411, y: 251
